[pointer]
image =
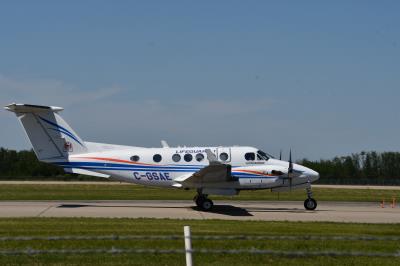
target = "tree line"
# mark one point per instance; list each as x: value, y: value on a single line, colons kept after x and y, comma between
x: 23, y: 165
x: 359, y: 168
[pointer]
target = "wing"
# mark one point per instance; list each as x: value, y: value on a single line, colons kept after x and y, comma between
x: 215, y: 172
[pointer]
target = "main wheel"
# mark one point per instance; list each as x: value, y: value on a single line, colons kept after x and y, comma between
x: 310, y: 204
x: 198, y: 199
x: 206, y: 204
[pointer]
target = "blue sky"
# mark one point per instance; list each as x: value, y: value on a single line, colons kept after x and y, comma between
x: 320, y: 77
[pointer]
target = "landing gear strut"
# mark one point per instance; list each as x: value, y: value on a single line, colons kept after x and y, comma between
x: 203, y: 202
x: 310, y: 203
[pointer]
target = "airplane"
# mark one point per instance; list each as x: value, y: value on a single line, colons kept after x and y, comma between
x: 208, y: 170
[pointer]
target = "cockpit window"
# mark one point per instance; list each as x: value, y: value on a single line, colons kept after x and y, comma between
x: 250, y: 156
x: 263, y: 156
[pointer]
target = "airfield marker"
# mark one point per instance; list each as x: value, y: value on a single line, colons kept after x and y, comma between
x: 188, y: 245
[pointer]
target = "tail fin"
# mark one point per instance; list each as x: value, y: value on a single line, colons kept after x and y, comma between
x: 51, y: 137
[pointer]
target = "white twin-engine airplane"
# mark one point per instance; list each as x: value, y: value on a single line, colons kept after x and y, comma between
x: 209, y: 170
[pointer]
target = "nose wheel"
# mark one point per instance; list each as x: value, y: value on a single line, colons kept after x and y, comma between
x: 204, y: 203
x: 310, y: 204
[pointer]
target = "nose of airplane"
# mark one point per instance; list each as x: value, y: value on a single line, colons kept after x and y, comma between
x: 313, y: 175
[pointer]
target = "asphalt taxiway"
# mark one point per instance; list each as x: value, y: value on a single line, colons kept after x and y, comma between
x: 357, y: 212
x: 108, y: 183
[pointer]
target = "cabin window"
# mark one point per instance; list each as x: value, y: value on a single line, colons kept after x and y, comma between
x: 199, y: 157
x: 250, y: 156
x: 176, y: 157
x: 188, y: 157
x: 224, y: 156
x: 157, y: 158
x: 135, y: 158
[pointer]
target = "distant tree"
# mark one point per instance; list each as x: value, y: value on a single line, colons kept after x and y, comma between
x: 359, y: 168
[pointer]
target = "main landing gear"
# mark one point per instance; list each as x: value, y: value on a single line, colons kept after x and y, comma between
x: 203, y: 202
x: 310, y: 203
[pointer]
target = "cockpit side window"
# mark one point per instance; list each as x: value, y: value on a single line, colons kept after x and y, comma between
x: 250, y: 156
x: 262, y: 155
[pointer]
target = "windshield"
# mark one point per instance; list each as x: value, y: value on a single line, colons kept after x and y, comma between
x: 263, y: 155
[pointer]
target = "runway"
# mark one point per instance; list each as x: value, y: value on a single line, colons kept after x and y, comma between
x: 357, y: 212
x: 113, y: 183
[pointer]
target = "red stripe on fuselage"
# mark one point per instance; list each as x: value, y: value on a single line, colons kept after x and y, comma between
x: 114, y: 160
x: 253, y: 172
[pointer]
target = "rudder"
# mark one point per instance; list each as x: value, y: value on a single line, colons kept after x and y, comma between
x: 51, y: 137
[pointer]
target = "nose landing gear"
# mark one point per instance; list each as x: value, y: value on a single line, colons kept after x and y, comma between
x: 203, y: 202
x: 310, y: 203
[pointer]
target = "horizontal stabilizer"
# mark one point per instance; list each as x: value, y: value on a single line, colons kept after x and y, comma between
x: 30, y: 108
x: 84, y: 172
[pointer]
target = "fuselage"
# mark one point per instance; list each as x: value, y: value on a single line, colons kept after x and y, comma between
x: 251, y: 168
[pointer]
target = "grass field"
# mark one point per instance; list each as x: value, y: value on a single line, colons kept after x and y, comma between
x: 88, y: 226
x: 136, y: 192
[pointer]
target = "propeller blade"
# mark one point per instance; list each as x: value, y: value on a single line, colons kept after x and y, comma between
x: 280, y: 155
x: 290, y: 170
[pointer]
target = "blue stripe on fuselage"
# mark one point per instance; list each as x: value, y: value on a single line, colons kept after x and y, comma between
x: 117, y: 166
x: 166, y: 168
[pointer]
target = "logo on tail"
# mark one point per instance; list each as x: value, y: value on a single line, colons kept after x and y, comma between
x: 68, y: 147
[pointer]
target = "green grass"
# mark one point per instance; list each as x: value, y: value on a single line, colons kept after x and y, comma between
x: 135, y: 192
x: 103, y: 226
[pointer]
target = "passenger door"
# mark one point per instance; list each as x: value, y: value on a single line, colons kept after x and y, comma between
x: 224, y: 154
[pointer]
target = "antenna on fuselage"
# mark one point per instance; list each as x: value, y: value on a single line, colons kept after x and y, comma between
x: 164, y: 144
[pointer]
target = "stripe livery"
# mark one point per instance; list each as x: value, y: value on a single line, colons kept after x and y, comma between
x: 108, y: 164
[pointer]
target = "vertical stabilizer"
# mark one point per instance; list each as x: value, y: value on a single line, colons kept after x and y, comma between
x: 51, y: 137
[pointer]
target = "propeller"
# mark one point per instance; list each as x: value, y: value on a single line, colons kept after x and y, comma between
x: 290, y: 169
x: 291, y: 172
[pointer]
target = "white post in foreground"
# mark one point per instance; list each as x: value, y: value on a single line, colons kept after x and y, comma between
x: 188, y: 245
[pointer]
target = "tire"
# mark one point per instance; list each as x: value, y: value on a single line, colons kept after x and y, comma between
x: 310, y: 204
x: 206, y: 205
x: 199, y: 200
